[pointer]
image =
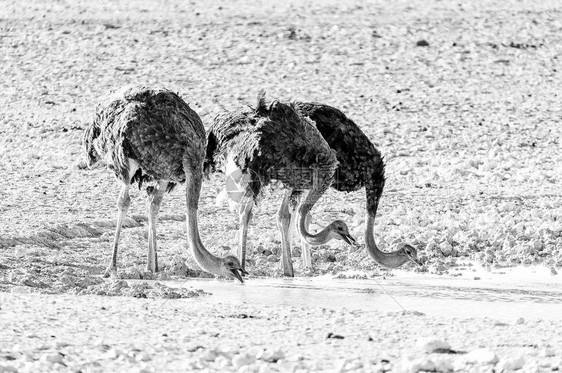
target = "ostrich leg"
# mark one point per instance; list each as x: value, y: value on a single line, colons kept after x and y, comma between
x: 306, y: 255
x: 284, y: 225
x: 305, y: 247
x: 123, y: 203
x: 245, y: 215
x: 155, y: 196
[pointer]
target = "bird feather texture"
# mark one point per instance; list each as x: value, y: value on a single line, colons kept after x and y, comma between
x: 152, y: 126
x: 360, y: 163
x: 272, y: 142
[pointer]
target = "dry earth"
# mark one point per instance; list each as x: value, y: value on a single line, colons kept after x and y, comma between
x: 462, y: 99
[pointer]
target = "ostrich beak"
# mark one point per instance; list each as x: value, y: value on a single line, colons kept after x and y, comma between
x: 349, y: 239
x: 237, y: 275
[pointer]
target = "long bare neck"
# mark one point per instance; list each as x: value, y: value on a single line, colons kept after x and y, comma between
x: 317, y: 239
x: 310, y: 198
x: 390, y: 260
x: 202, y: 256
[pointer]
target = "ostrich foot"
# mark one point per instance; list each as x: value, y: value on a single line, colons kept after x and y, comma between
x: 288, y: 270
x: 151, y: 268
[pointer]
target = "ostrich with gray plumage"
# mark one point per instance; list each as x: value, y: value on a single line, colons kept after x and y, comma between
x: 152, y: 135
x: 274, y: 142
x: 360, y: 165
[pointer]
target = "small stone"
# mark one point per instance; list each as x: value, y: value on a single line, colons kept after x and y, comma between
x: 446, y: 248
x: 443, y: 364
x: 143, y: 370
x: 520, y: 321
x: 271, y: 356
x: 422, y: 43
x: 143, y: 356
x: 416, y: 365
x: 113, y: 353
x: 339, y: 320
x: 133, y: 273
x: 334, y: 336
x: 116, y: 285
x: 55, y: 358
x: 246, y: 369
x: 507, y: 206
x: 106, y: 237
x: 81, y: 165
x: 209, y: 355
x: 241, y: 360
x: 7, y: 368
x: 191, y: 364
x: 340, y: 365
x: 353, y: 365
x: 264, y: 368
x: 510, y: 363
x: 222, y: 362
x: 296, y: 253
x: 481, y: 356
x: 59, y: 345
x: 21, y: 290
x: 547, y: 352
x: 229, y: 352
x: 432, y: 345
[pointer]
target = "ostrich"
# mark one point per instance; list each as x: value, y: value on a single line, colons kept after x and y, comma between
x: 150, y: 134
x: 275, y: 143
x: 360, y: 165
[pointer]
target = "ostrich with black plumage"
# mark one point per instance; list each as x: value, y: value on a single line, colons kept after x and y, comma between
x: 146, y: 134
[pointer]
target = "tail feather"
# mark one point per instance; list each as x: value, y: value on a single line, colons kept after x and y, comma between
x: 92, y: 157
x: 375, y: 185
x: 209, y: 165
x: 262, y: 105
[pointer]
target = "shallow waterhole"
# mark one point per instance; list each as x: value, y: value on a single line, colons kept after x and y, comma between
x: 507, y: 293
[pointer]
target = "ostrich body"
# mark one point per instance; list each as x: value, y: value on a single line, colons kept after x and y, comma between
x: 275, y: 143
x: 360, y: 165
x: 151, y: 135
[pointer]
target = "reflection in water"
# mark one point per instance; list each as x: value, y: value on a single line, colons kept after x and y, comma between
x: 482, y: 294
x: 497, y: 296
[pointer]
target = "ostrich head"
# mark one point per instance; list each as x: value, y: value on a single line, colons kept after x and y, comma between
x: 338, y: 230
x: 409, y: 253
x: 230, y: 267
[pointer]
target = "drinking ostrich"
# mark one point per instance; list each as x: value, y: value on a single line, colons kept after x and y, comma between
x: 151, y: 134
x: 360, y: 165
x: 275, y: 143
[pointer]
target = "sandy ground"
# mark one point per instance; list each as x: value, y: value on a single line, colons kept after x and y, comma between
x: 91, y: 333
x: 469, y: 125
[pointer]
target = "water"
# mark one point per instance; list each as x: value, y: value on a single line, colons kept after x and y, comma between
x: 531, y: 293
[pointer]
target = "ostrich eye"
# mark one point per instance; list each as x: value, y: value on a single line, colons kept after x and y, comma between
x: 230, y: 264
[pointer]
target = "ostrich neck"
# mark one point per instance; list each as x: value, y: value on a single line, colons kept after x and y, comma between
x: 390, y: 260
x: 320, y: 238
x: 310, y: 198
x: 202, y: 256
